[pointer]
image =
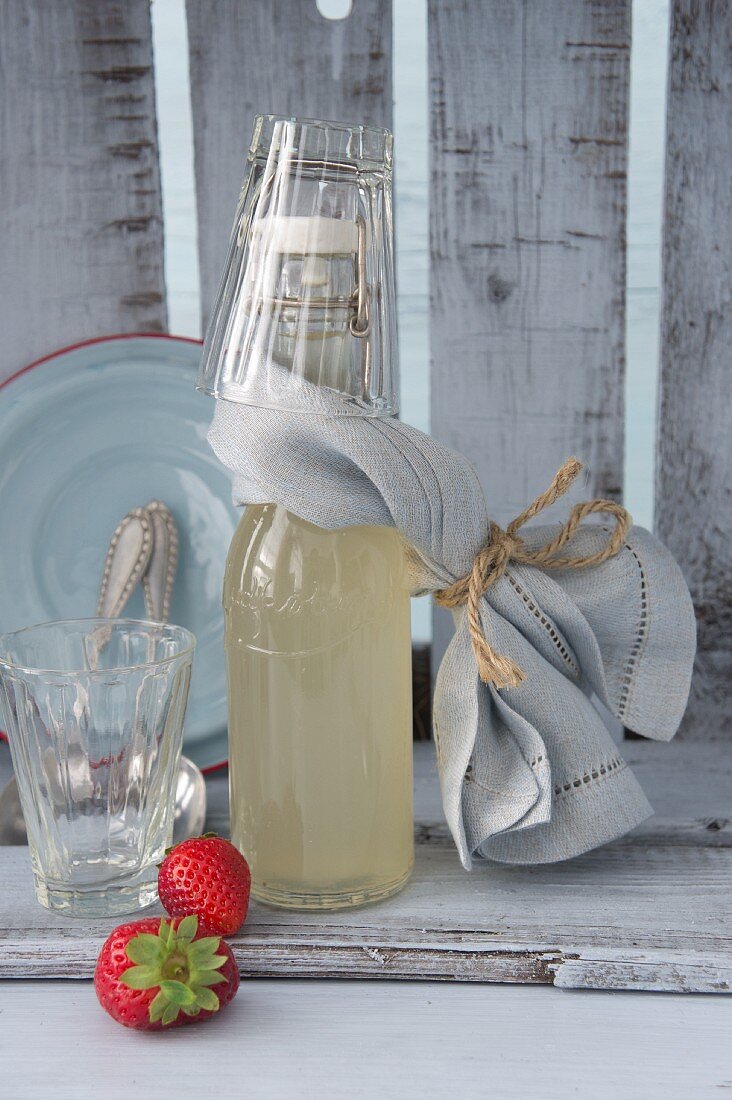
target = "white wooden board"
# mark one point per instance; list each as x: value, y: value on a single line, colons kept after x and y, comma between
x: 529, y: 118
x: 693, y: 502
x: 80, y: 217
x: 649, y: 912
x: 328, y: 1040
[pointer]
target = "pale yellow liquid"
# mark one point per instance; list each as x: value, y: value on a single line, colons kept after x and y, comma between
x: 320, y: 727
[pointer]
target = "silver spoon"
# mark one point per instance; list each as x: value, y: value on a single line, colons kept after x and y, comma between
x: 190, y: 807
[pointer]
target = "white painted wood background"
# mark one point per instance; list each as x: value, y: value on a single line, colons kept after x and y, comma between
x: 82, y: 231
x: 694, y: 481
x: 529, y: 176
x: 529, y: 168
x: 80, y: 209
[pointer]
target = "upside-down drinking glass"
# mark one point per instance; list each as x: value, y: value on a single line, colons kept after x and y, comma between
x: 93, y: 711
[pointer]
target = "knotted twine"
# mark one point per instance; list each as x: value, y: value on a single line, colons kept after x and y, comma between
x: 502, y: 547
x: 503, y: 755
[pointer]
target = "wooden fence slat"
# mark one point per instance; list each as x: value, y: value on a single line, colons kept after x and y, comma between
x: 529, y: 120
x: 694, y: 472
x: 273, y: 57
x: 81, y: 216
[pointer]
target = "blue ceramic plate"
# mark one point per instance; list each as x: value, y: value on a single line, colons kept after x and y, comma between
x: 86, y: 435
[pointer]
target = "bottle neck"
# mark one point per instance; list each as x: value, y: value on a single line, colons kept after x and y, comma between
x: 320, y: 352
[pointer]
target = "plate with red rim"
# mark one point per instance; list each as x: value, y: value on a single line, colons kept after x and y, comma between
x: 86, y: 434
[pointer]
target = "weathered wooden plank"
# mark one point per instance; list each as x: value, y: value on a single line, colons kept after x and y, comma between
x: 660, y: 971
x: 262, y: 956
x: 650, y: 912
x: 529, y: 120
x: 694, y: 473
x: 273, y: 57
x: 498, y: 925
x: 81, y: 217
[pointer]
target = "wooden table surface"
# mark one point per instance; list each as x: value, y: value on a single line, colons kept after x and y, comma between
x: 321, y: 1039
x: 326, y: 1038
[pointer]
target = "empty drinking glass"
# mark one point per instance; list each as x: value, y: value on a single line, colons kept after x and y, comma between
x: 94, y: 712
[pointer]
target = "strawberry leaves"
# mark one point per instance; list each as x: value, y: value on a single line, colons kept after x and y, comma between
x: 141, y: 977
x: 146, y: 949
x: 181, y: 967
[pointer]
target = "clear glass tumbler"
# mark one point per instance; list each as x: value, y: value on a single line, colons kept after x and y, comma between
x: 94, y: 713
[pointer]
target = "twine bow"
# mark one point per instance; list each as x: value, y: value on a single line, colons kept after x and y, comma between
x: 502, y: 547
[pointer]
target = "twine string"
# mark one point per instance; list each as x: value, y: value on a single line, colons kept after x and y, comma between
x: 502, y: 547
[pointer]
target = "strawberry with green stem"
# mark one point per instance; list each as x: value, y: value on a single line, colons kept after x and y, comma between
x: 153, y: 975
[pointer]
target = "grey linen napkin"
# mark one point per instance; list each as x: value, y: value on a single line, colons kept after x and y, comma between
x: 528, y: 774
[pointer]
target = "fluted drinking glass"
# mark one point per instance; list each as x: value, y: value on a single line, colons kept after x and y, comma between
x: 93, y: 712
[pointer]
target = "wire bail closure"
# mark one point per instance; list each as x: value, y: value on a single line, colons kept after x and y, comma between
x: 360, y: 325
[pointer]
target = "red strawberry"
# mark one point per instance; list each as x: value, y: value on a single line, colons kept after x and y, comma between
x: 151, y: 975
x: 209, y: 878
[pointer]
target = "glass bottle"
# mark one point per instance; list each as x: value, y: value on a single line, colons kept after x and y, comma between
x: 317, y: 631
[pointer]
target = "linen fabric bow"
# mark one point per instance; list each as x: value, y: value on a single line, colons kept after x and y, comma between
x: 529, y: 774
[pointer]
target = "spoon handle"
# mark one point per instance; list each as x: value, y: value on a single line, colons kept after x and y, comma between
x: 127, y: 559
x: 159, y: 577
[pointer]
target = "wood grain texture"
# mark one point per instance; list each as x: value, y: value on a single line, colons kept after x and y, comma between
x: 273, y: 57
x: 81, y: 216
x: 529, y: 121
x: 651, y: 911
x: 694, y: 474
